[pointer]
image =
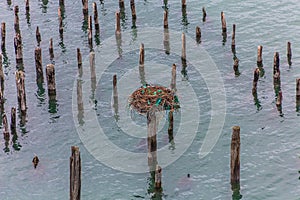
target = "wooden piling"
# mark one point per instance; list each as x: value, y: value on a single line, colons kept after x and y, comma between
x: 75, y: 174
x: 38, y: 36
x: 85, y: 8
x: 198, y: 34
x: 233, y: 38
x: 118, y: 23
x: 142, y: 54
x: 27, y: 6
x: 17, y: 23
x: 38, y: 65
x: 235, y: 156
x: 96, y: 20
x: 61, y: 29
x: 171, y: 125
x: 121, y: 4
x: 115, y: 97
x: 173, y: 80
x: 3, y: 35
x: 6, y: 135
x: 18, y: 49
x: 223, y: 20
x: 289, y: 53
x: 255, y: 80
x: 203, y: 14
x: 20, y: 82
x: 50, y: 73
x: 90, y: 32
x: 51, y: 52
x: 167, y: 41
x: 298, y: 94
x: 92, y: 65
x: 151, y: 138
x: 62, y: 3
x: 236, y: 66
x: 132, y: 6
x: 35, y: 161
x: 166, y: 24
x: 279, y: 101
x: 79, y: 62
x: 13, y: 122
x: 183, y: 4
x: 1, y: 76
x: 259, y: 56
x: 276, y: 74
x: 183, y: 47
x: 158, y: 175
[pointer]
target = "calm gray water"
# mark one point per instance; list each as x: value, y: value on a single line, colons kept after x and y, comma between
x: 269, y: 142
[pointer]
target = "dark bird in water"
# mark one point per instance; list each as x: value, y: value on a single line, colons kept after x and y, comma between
x: 35, y: 161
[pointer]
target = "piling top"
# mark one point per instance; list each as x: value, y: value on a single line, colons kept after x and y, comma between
x: 236, y: 128
x: 147, y: 96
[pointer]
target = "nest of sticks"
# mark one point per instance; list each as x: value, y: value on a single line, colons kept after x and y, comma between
x: 147, y: 96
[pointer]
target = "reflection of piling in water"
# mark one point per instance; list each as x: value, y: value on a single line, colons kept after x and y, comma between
x: 5, y: 132
x: 198, y: 34
x: 75, y: 173
x: 167, y: 41
x: 51, y: 52
x: 27, y: 8
x: 298, y: 94
x: 203, y: 14
x: 90, y: 32
x: 173, y: 79
x: 235, y: 162
x: 93, y: 71
x: 13, y: 121
x: 118, y: 23
x: 79, y: 62
x: 236, y: 66
x: 289, y: 53
x: 279, y: 102
x: 1, y: 75
x: 96, y: 20
x: 183, y: 47
x: 115, y: 96
x: 121, y: 4
x: 233, y: 39
x: 158, y: 175
x: 151, y: 138
x: 3, y: 35
x: 61, y: 29
x: 166, y: 23
x: 38, y: 36
x: 276, y: 74
x: 170, y: 128
x: 38, y: 65
x: 18, y: 50
x: 132, y: 6
x: 80, y: 102
x: 62, y: 3
x: 50, y: 73
x: 17, y: 23
x: 20, y: 82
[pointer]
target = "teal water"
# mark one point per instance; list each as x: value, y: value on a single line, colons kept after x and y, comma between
x: 269, y: 142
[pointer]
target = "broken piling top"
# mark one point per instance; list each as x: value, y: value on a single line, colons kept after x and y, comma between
x: 147, y: 96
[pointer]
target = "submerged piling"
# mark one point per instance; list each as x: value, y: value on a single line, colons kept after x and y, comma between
x: 75, y: 174
x: 3, y: 35
x: 289, y: 53
x: 235, y: 156
x: 50, y: 73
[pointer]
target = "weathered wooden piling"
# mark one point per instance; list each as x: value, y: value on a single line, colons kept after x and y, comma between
x: 259, y: 56
x: 151, y: 138
x: 121, y: 4
x: 17, y: 23
x: 27, y: 8
x: 35, y: 161
x: 118, y: 23
x: 6, y: 134
x: 167, y: 41
x: 75, y: 174
x: 132, y: 6
x: 1, y: 75
x: 13, y: 121
x: 79, y: 62
x: 235, y: 156
x: 298, y: 94
x: 203, y: 14
x: 3, y: 35
x: 62, y: 3
x: 38, y: 65
x: 233, y: 38
x: 18, y: 49
x: 276, y: 74
x: 60, y: 19
x: 166, y: 23
x: 289, y: 53
x: 96, y: 20
x: 198, y: 34
x: 158, y: 175
x: 183, y: 47
x: 90, y: 32
x: 236, y: 66
x: 38, y: 36
x: 50, y: 73
x: 85, y: 8
x: 173, y: 80
x: 183, y: 3
x: 171, y: 125
x: 20, y: 82
x: 279, y: 102
x: 142, y: 54
x: 255, y: 81
x: 51, y: 52
x: 115, y: 97
x: 223, y: 20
